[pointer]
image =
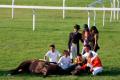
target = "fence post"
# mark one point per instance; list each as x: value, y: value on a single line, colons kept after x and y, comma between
x: 111, y: 12
x: 94, y: 17
x: 12, y: 9
x: 89, y: 19
x: 118, y: 5
x: 114, y: 5
x: 103, y: 17
x: 63, y: 9
x: 33, y: 19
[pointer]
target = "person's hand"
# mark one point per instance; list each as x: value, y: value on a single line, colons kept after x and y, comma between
x: 68, y: 50
x: 91, y: 70
x: 78, y: 67
x: 89, y: 65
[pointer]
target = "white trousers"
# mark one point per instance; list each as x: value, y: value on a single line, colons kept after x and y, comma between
x: 97, y: 70
x: 73, y: 52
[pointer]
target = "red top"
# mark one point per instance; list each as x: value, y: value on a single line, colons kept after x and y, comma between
x: 96, y: 62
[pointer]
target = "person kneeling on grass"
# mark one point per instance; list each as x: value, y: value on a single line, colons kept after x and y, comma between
x: 65, y: 63
x: 93, y: 61
x: 93, y: 66
x: 78, y: 60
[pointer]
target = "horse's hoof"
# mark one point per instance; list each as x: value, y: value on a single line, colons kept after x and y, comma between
x: 74, y: 72
x: 44, y: 75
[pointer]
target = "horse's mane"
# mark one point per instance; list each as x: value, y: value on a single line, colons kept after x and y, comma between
x: 41, y: 60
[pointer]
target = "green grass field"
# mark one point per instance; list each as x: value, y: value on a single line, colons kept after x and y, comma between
x: 18, y: 42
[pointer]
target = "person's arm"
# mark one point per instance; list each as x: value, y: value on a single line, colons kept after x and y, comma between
x: 96, y: 41
x: 94, y: 53
x: 46, y: 57
x: 60, y: 60
x: 81, y: 37
x: 89, y: 64
x: 58, y: 53
x: 84, y: 56
x: 69, y: 41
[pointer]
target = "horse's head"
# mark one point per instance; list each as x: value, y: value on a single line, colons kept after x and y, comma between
x: 43, y: 67
x: 39, y: 67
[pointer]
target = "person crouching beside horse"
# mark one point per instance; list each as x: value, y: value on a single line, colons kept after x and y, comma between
x: 78, y: 60
x: 93, y: 65
x: 65, y: 63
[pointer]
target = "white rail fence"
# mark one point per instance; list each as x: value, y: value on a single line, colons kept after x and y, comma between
x: 114, y: 4
x: 64, y: 8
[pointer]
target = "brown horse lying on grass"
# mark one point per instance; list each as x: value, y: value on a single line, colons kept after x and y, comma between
x: 44, y: 68
x: 37, y: 66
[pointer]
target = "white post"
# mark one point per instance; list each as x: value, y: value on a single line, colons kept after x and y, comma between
x: 118, y: 5
x: 114, y: 5
x: 33, y: 20
x: 89, y: 19
x: 111, y: 12
x: 12, y: 9
x: 94, y: 17
x: 63, y: 9
x: 103, y: 18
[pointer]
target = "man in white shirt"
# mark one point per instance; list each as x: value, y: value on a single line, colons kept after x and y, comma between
x: 52, y: 55
x: 88, y: 51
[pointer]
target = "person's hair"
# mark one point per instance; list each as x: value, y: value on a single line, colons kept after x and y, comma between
x: 66, y: 51
x: 88, y: 46
x: 86, y: 30
x: 95, y: 29
x: 76, y: 26
x: 85, y: 26
x: 79, y: 55
x: 52, y: 45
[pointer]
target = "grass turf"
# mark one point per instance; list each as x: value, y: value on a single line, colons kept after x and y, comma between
x: 18, y: 42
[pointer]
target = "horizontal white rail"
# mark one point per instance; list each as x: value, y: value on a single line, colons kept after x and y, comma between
x: 59, y: 8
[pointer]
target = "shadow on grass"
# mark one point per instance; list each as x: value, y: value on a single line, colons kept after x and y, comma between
x: 106, y: 72
x: 111, y: 72
x: 4, y: 72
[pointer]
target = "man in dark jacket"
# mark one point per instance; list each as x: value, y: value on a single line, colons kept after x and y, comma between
x: 73, y: 43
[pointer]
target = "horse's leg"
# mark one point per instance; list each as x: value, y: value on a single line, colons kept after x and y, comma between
x: 44, y: 71
x: 70, y: 69
x: 23, y: 67
x: 77, y: 70
x: 52, y: 69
